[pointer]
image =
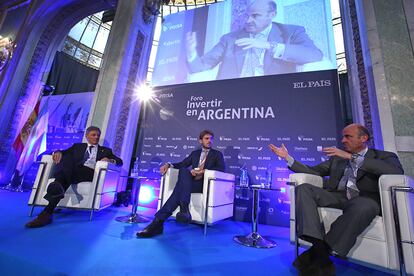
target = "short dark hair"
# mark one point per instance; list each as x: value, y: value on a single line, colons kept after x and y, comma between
x: 363, y: 131
x: 92, y: 128
x: 205, y: 132
x: 272, y: 6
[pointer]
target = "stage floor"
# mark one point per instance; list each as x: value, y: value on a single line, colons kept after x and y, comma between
x: 72, y: 245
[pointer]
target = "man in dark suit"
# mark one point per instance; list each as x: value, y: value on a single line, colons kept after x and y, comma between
x: 352, y: 186
x: 261, y: 48
x: 189, y: 181
x: 73, y: 165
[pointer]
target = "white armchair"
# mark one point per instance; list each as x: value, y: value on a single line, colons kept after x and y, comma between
x: 93, y: 196
x: 380, y: 243
x: 214, y: 204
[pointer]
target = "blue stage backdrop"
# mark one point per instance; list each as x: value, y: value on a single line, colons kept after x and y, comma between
x: 246, y: 115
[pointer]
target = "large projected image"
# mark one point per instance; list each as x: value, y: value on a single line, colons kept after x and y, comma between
x: 237, y: 39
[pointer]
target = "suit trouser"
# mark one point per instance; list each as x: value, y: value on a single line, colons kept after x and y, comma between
x: 181, y: 194
x: 358, y: 213
x: 66, y: 173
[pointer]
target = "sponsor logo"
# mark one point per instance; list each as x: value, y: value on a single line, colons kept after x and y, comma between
x: 262, y: 168
x: 148, y: 138
x: 238, y: 196
x: 221, y: 147
x: 234, y: 167
x: 281, y: 169
x: 243, y: 139
x: 303, y: 138
x: 190, y: 138
x: 171, y: 147
x: 270, y: 210
x: 319, y: 148
x: 143, y: 162
x: 160, y: 154
x: 328, y: 139
x: 261, y: 138
x: 144, y: 153
x: 307, y: 159
x: 158, y: 146
x: 227, y: 157
x: 160, y: 138
x: 254, y: 168
x: 147, y: 146
x: 265, y: 158
x: 155, y: 163
x: 255, y: 148
x: 172, y: 154
x: 242, y: 157
x: 177, y: 138
x: 300, y: 149
x: 224, y: 138
x: 241, y: 208
x: 282, y: 179
x: 166, y: 95
x: 283, y: 138
x: 143, y: 170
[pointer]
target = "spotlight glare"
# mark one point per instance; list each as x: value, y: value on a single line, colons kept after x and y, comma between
x: 146, y: 194
x: 144, y: 93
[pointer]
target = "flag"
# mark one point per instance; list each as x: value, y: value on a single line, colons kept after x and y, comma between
x: 36, y: 140
x: 21, y: 139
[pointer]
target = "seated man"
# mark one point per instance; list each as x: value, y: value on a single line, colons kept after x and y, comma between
x: 352, y: 186
x: 73, y: 165
x: 188, y: 182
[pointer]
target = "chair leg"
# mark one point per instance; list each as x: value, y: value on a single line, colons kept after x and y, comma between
x: 31, y: 211
x: 90, y: 216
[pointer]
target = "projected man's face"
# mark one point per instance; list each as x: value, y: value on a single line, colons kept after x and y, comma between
x: 207, y: 141
x: 259, y: 17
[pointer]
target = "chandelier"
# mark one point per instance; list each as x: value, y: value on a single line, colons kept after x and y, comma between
x: 6, y: 51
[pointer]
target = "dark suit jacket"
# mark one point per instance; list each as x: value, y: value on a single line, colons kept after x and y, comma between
x: 77, y: 152
x: 376, y: 163
x: 214, y: 161
x: 300, y: 49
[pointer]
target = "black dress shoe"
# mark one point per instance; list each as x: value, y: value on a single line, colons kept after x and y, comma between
x: 316, y: 269
x: 156, y: 227
x: 183, y: 217
x: 41, y: 220
x: 303, y: 260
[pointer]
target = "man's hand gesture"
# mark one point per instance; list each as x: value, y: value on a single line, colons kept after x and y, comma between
x: 281, y: 152
x: 164, y: 168
x: 333, y: 151
x: 56, y: 157
x: 248, y: 43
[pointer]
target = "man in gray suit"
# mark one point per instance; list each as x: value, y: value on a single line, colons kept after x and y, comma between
x: 352, y: 186
x: 261, y: 48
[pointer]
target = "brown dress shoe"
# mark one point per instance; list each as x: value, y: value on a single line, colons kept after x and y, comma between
x: 41, y: 220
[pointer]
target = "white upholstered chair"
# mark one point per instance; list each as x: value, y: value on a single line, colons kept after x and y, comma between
x: 93, y: 196
x: 380, y: 243
x: 214, y: 204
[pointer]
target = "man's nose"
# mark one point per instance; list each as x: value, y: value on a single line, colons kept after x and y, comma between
x: 249, y: 19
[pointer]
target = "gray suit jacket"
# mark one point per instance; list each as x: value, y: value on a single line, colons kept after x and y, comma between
x: 299, y: 49
x: 376, y: 163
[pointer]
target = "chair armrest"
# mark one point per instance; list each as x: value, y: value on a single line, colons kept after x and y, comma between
x: 301, y: 178
x: 220, y: 188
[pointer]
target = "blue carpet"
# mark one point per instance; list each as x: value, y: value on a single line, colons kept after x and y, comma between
x: 72, y: 245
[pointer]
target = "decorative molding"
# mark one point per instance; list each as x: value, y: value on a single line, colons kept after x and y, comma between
x: 128, y: 93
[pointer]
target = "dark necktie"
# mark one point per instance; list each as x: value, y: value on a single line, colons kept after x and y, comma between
x: 348, y: 181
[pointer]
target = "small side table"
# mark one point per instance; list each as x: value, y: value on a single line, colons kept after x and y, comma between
x: 254, y: 239
x: 134, y: 217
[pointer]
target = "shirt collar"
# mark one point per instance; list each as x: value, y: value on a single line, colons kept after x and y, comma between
x: 264, y: 33
x: 363, y: 152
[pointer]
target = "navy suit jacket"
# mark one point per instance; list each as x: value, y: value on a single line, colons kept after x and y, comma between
x: 77, y: 152
x: 299, y: 49
x: 376, y: 163
x: 214, y: 161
